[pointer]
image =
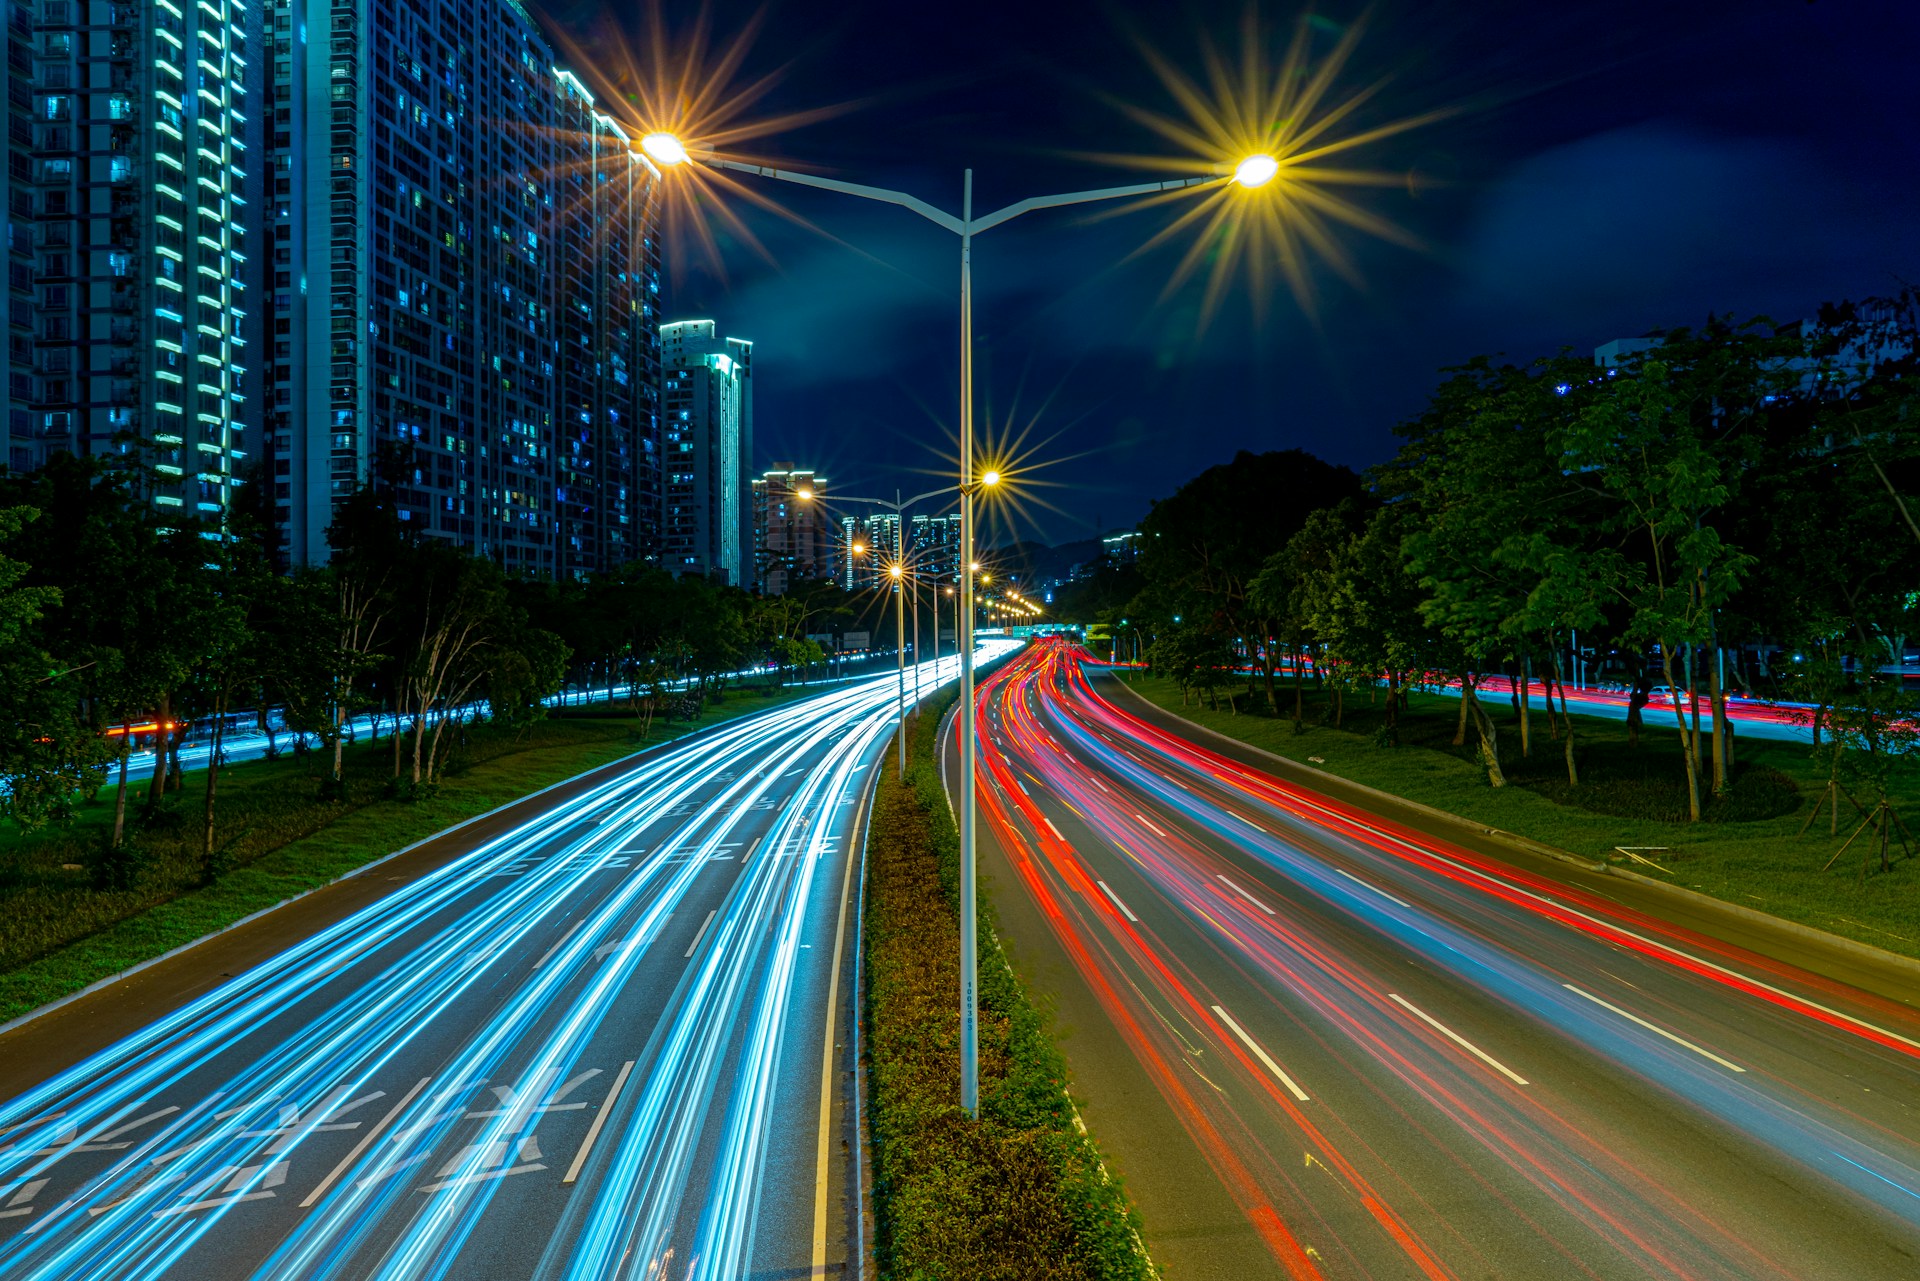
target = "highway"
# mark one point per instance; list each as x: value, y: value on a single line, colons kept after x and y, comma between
x: 612, y: 1040
x: 1318, y: 1042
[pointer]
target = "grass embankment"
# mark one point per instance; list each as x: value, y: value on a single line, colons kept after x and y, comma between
x: 1747, y: 850
x: 58, y: 932
x: 1020, y: 1193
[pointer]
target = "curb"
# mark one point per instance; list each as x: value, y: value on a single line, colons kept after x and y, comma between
x: 1812, y: 934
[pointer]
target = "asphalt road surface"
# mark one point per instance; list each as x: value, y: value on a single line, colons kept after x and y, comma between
x: 1317, y: 1042
x: 610, y: 1041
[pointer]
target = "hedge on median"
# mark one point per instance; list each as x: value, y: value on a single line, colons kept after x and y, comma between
x: 1021, y: 1192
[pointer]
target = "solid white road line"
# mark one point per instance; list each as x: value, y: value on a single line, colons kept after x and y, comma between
x: 1052, y: 828
x: 1243, y: 894
x: 1456, y: 1038
x: 701, y: 932
x: 1116, y: 901
x: 366, y: 1141
x: 1260, y: 1054
x: 1634, y: 1018
x: 824, y: 1148
x: 593, y: 1131
x: 1370, y: 885
x: 1149, y: 822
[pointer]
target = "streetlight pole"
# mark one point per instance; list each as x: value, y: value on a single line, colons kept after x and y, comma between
x: 1253, y: 171
x: 900, y: 635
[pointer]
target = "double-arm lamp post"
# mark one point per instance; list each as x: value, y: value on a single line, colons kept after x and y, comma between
x: 1254, y: 171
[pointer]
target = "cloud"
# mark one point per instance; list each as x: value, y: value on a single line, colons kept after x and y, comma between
x: 1656, y: 225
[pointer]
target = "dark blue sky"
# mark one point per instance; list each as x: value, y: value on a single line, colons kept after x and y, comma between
x: 1620, y: 167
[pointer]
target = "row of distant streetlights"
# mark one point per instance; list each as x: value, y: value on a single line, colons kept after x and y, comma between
x: 669, y: 151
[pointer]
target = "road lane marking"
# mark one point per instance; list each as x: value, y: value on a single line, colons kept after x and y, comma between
x: 1149, y: 822
x: 1052, y: 828
x: 548, y: 954
x: 1244, y: 819
x: 1634, y: 1018
x: 1370, y: 885
x: 593, y: 1131
x: 823, y: 1149
x: 1261, y: 1054
x: 701, y: 932
x: 366, y: 1141
x: 1102, y: 786
x: 1116, y: 901
x: 1653, y: 946
x: 1243, y: 894
x: 1456, y: 1038
x: 752, y: 849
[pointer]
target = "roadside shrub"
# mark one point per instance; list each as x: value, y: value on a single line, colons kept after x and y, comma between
x: 1020, y: 1193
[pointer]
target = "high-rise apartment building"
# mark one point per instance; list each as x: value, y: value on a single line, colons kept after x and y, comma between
x: 933, y: 546
x: 706, y: 449
x: 868, y: 544
x: 464, y: 286
x: 132, y: 175
x: 793, y: 535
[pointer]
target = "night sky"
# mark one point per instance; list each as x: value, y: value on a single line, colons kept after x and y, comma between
x: 1611, y: 168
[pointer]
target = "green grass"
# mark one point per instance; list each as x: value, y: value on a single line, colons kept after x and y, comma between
x: 1019, y: 1193
x: 58, y: 933
x: 1747, y: 851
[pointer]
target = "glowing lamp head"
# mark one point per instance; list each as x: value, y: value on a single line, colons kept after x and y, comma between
x: 895, y: 570
x: 664, y: 148
x: 859, y: 549
x: 1256, y: 171
x: 804, y: 495
x: 990, y: 478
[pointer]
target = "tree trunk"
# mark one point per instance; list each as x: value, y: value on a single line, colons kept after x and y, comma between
x: 1525, y: 707
x: 1299, y: 678
x: 339, y: 743
x: 396, y: 738
x: 1693, y: 703
x: 213, y: 778
x: 1266, y: 665
x: 1560, y: 677
x: 1489, y: 741
x: 1466, y: 696
x: 120, y: 793
x: 1637, y: 699
x: 1717, y: 692
x: 157, y: 784
x: 1688, y: 744
x: 176, y: 776
x: 419, y: 740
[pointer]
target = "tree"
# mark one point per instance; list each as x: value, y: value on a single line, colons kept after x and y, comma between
x: 1644, y: 442
x: 1201, y: 549
x: 48, y: 756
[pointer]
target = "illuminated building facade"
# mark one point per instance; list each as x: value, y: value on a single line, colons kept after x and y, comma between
x: 878, y: 537
x: 933, y: 546
x: 132, y: 175
x: 464, y: 284
x: 793, y: 536
x: 706, y: 444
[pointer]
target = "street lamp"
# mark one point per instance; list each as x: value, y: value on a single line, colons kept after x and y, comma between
x: 667, y: 150
x: 1256, y: 171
